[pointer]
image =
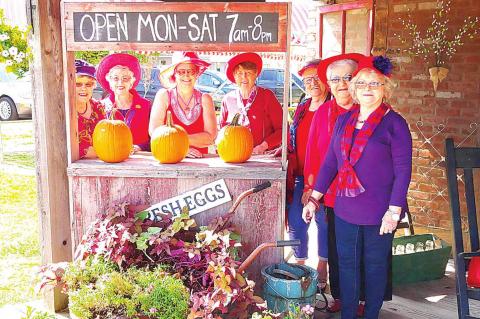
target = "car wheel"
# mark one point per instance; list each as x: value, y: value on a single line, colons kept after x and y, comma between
x: 8, y: 110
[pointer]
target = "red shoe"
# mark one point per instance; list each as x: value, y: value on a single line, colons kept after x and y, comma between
x: 361, y: 310
x: 336, y: 306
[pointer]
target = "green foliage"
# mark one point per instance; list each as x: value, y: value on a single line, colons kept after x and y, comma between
x: 14, y: 49
x: 32, y: 313
x: 94, y: 57
x: 83, y: 273
x: 134, y: 292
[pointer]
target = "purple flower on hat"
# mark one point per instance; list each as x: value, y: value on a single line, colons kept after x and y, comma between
x: 84, y: 68
x: 383, y: 64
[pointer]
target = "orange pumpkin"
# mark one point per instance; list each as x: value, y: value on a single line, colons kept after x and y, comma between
x: 112, y: 141
x: 169, y: 142
x: 235, y: 142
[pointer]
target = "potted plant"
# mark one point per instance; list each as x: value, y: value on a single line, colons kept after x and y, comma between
x: 123, y: 249
x: 436, y: 44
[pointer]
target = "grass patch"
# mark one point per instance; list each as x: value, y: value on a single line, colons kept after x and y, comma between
x: 19, y: 233
x: 22, y: 159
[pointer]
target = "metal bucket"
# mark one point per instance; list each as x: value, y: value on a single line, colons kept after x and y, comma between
x: 289, y: 285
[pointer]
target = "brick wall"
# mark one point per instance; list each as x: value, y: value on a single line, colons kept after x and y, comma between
x: 453, y: 111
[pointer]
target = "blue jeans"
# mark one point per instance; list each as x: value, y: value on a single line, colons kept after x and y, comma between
x: 298, y: 229
x: 357, y: 244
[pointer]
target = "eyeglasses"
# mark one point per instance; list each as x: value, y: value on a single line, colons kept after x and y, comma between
x: 372, y: 85
x: 245, y: 74
x: 88, y: 85
x: 311, y: 79
x: 183, y: 72
x: 337, y: 79
x: 123, y: 78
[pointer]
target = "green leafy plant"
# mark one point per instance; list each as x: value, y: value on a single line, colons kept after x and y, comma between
x: 203, y: 259
x: 437, y: 41
x: 14, y: 50
x: 32, y: 313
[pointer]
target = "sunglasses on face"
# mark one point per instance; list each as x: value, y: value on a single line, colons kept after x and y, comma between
x: 88, y: 85
x: 188, y: 72
x: 336, y: 79
x: 311, y: 80
x: 374, y: 85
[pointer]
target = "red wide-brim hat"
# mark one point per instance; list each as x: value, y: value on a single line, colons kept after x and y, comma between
x: 310, y: 64
x: 123, y: 59
x: 240, y: 58
x: 323, y: 65
x: 167, y: 73
x: 379, y: 64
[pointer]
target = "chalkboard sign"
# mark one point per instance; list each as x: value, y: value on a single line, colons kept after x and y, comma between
x: 176, y: 26
x: 185, y: 27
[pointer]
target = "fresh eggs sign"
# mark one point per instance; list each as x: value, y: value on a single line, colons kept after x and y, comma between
x: 218, y: 26
x: 185, y: 27
x: 196, y: 201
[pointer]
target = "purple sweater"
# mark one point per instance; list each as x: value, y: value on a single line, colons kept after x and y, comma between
x: 384, y: 169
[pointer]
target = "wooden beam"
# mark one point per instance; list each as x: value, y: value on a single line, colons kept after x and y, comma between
x: 50, y: 139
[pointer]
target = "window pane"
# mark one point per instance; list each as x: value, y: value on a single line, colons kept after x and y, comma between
x: 332, y: 34
x: 356, y: 34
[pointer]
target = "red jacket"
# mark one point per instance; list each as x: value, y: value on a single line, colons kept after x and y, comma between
x: 317, y: 146
x: 265, y: 116
x: 137, y: 118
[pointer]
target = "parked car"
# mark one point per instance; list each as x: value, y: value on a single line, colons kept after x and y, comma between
x: 15, y: 96
x: 273, y: 79
x: 212, y: 82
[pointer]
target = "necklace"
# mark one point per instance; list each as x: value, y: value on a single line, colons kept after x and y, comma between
x: 86, y: 109
x: 187, y: 105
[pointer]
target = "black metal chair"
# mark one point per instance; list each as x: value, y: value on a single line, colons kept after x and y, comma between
x: 468, y: 159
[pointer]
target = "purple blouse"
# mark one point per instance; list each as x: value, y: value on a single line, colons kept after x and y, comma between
x: 384, y: 169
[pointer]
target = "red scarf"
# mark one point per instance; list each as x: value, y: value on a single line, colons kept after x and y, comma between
x: 348, y: 183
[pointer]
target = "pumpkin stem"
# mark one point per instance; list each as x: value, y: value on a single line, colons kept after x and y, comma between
x: 235, y: 120
x: 111, y: 116
x: 169, y: 119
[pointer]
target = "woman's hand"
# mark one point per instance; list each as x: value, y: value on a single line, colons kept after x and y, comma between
x: 260, y: 148
x: 194, y: 153
x: 308, y: 212
x: 307, y: 192
x: 135, y: 149
x: 388, y: 223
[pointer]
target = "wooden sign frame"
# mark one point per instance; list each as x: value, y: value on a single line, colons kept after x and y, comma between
x: 71, y: 7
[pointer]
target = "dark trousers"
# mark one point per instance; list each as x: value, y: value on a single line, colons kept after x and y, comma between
x: 357, y: 245
x: 333, y: 275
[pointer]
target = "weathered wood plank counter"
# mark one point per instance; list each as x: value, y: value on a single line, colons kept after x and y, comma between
x: 141, y: 180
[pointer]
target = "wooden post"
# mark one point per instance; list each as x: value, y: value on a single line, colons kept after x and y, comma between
x: 50, y: 139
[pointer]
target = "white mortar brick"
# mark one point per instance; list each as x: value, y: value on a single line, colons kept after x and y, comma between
x: 404, y: 7
x: 448, y: 95
x: 428, y: 5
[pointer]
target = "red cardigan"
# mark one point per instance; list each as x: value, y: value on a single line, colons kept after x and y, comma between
x: 317, y: 146
x: 265, y: 116
x: 137, y: 118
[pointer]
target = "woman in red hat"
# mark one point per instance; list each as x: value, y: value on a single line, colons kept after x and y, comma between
x: 335, y: 73
x: 89, y: 110
x: 190, y: 108
x: 297, y: 144
x: 370, y: 157
x: 119, y: 74
x: 258, y: 107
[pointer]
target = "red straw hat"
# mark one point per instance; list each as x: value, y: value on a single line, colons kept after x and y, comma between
x: 120, y: 59
x: 167, y: 74
x: 322, y: 67
x: 310, y: 64
x: 240, y: 58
